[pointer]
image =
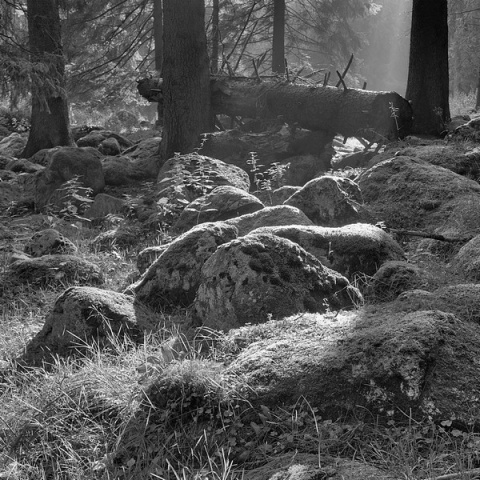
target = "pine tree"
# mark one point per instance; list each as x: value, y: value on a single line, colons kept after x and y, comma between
x: 49, y: 124
x: 186, y: 77
x: 428, y: 75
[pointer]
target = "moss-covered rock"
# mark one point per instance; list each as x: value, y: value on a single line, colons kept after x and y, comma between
x: 395, y: 277
x: 220, y: 204
x: 329, y: 201
x: 371, y: 361
x: 463, y: 300
x: 269, y: 216
x: 406, y: 192
x: 54, y: 271
x: 257, y: 277
x: 467, y: 260
x: 85, y: 316
x: 49, y: 242
x: 173, y: 279
x: 358, y: 248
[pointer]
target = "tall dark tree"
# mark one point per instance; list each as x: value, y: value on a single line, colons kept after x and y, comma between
x: 158, y: 38
x: 278, y: 43
x: 477, y: 102
x: 158, y: 33
x: 428, y: 76
x: 49, y: 119
x: 186, y: 76
x: 215, y: 35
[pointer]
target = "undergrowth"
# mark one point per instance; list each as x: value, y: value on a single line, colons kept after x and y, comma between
x: 461, y: 103
x: 168, y: 409
x: 266, y: 179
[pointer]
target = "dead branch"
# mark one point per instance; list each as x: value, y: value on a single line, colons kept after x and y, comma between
x: 345, y: 71
x: 345, y: 89
x: 433, y: 236
x: 463, y: 475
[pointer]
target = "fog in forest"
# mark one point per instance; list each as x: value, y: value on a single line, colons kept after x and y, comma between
x: 384, y: 55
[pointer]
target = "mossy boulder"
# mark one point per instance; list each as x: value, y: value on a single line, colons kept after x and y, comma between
x: 65, y: 164
x: 185, y: 176
x: 329, y: 201
x: 83, y: 317
x: 174, y: 277
x: 54, y: 271
x: 410, y: 193
x: 358, y: 248
x: 262, y: 276
x: 220, y: 204
x: 269, y: 216
x: 368, y: 362
x: 395, y: 277
x: 459, y: 157
x: 463, y: 300
x: 49, y: 242
x: 467, y: 260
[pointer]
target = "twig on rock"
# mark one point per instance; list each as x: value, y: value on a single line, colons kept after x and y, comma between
x: 463, y: 475
x: 433, y: 236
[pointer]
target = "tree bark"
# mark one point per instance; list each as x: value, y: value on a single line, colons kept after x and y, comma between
x: 360, y: 113
x: 278, y: 43
x: 50, y: 125
x: 158, y: 39
x: 477, y: 103
x: 215, y: 35
x: 186, y: 77
x: 428, y: 80
x: 158, y: 34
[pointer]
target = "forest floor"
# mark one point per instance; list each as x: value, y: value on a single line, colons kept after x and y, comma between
x: 75, y: 421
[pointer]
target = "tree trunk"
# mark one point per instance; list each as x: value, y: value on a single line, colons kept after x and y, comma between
x: 158, y: 34
x: 428, y: 85
x: 357, y: 113
x: 186, y: 76
x: 49, y: 119
x: 158, y: 39
x: 278, y: 43
x: 215, y: 35
x: 477, y: 103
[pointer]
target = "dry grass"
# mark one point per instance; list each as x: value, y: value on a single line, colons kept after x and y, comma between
x: 461, y: 103
x: 165, y: 409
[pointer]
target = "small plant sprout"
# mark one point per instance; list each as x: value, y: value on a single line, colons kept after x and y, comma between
x: 272, y: 178
x: 276, y: 174
x: 255, y: 169
x: 75, y: 198
x: 394, y: 114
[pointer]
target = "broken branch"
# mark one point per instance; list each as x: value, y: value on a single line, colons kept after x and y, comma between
x: 345, y: 71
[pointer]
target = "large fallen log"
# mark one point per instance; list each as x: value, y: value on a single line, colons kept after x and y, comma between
x: 350, y: 112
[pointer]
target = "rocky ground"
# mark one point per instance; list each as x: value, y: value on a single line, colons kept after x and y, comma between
x: 214, y: 318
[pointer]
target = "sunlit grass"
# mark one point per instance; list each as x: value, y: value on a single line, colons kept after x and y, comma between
x: 462, y: 104
x: 166, y: 409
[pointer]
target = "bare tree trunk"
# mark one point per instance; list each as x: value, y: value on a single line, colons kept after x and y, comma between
x: 215, y: 35
x: 477, y: 103
x: 278, y: 43
x: 186, y: 76
x: 49, y: 120
x: 428, y: 84
x: 158, y: 39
